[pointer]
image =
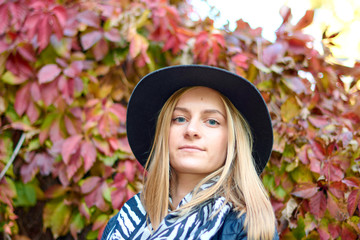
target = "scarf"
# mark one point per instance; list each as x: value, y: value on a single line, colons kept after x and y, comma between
x: 199, y: 223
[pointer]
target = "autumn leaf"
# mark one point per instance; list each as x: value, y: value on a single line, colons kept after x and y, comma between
x: 318, y: 204
x: 48, y: 73
x: 305, y: 21
x: 70, y: 146
x: 88, y: 152
x: 89, y: 18
x: 353, y: 201
x: 290, y: 109
x: 89, y: 39
x: 22, y: 99
x: 305, y: 190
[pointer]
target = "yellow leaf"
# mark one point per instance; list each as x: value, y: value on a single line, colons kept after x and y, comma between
x: 290, y: 109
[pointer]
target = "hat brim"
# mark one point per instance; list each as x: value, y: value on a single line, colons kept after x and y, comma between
x: 154, y: 89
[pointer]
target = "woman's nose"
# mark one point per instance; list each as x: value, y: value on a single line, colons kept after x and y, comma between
x: 192, y: 130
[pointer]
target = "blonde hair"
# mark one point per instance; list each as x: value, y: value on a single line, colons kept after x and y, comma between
x: 238, y: 180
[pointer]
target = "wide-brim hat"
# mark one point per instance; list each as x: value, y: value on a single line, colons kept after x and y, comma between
x: 152, y: 91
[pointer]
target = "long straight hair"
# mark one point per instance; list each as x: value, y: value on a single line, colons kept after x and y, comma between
x: 237, y: 181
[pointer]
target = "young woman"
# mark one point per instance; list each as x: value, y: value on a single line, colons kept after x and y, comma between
x: 204, y: 135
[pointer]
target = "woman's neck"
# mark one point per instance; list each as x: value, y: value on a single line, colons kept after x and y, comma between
x: 181, y: 185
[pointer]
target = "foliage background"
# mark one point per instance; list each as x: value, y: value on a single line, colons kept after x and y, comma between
x: 67, y: 69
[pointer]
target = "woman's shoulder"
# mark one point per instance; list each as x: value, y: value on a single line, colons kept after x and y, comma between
x: 131, y: 203
x: 233, y: 228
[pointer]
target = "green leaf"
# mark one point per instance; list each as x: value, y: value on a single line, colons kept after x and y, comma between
x: 299, y: 231
x: 269, y: 181
x: 289, y: 151
x: 34, y: 144
x: 280, y: 192
x: 301, y: 174
x: 107, y: 194
x: 9, y: 78
x: 92, y: 235
x: 77, y: 223
x: 265, y: 85
x: 26, y: 195
x: 56, y: 217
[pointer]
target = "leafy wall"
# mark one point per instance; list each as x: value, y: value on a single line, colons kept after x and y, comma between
x: 67, y: 69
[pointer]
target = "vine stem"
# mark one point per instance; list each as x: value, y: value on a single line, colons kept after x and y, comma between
x: 14, y: 154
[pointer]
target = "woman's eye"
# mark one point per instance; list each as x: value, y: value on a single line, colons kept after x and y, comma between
x: 213, y: 122
x: 179, y: 119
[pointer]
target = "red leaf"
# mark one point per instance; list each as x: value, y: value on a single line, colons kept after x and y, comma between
x: 114, y: 143
x: 130, y: 170
x: 303, y: 155
x: 74, y: 164
x: 4, y: 18
x: 49, y: 92
x: 353, y: 201
x: 347, y: 233
x: 74, y: 69
x: 83, y: 209
x: 334, y: 209
x: 332, y: 172
x: 318, y: 149
x: 22, y: 99
x: 90, y: 184
x: 100, y: 49
x: 88, y: 152
x: 66, y: 87
x: 352, y: 181
x: 28, y: 171
x: 305, y: 21
x: 27, y: 52
x: 118, y: 197
x: 89, y: 39
x: 44, y: 32
x: 272, y: 53
x: 324, y: 235
x: 96, y: 198
x: 89, y: 18
x: 318, y: 204
x: 240, y: 60
x: 70, y: 147
x: 35, y: 92
x: 113, y: 35
x: 120, y: 111
x: 32, y: 112
x: 56, y: 27
x: 338, y: 189
x: 334, y: 230
x: 103, y: 146
x: 60, y: 13
x: 32, y: 24
x: 124, y: 145
x: 319, y: 121
x: 70, y: 128
x: 305, y: 190
x: 48, y: 73
x: 45, y: 162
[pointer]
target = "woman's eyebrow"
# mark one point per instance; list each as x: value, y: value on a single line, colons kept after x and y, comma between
x: 181, y: 109
x: 206, y: 111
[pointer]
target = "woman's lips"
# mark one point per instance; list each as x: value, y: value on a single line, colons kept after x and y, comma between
x: 191, y: 148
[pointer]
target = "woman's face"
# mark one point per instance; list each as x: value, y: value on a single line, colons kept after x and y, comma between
x: 198, y: 133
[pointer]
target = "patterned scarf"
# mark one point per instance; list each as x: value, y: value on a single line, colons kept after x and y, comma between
x: 197, y: 224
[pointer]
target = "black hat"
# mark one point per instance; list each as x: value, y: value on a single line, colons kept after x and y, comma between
x: 151, y: 93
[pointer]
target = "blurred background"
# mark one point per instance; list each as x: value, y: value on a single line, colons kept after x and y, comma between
x: 67, y: 69
x: 331, y: 15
